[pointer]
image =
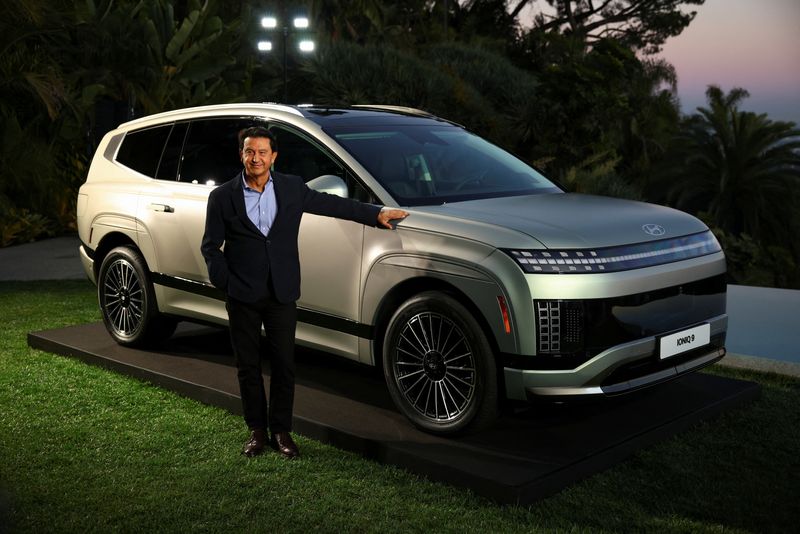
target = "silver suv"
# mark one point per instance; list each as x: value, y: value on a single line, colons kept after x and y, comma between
x: 498, y: 285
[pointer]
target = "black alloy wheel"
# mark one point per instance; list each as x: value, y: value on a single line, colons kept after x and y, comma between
x: 127, y: 300
x: 439, y: 366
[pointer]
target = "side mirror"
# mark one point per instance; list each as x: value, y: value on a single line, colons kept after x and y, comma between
x: 328, y: 183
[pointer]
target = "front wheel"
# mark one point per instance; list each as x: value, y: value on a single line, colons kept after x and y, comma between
x: 439, y: 366
x: 128, y: 302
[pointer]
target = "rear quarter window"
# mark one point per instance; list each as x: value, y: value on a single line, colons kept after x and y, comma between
x: 141, y: 150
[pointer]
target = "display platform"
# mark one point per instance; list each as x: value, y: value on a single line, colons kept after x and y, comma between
x: 533, y: 451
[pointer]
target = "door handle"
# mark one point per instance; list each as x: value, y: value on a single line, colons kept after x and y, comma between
x: 162, y: 207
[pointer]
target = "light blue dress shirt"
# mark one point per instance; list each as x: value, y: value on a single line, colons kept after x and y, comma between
x: 261, y: 207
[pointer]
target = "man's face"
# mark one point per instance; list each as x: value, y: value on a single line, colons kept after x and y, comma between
x: 257, y: 156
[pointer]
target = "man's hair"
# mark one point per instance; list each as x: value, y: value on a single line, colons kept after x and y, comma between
x: 258, y: 131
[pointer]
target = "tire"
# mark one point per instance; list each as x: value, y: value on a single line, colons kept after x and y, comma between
x: 128, y: 302
x: 439, y: 366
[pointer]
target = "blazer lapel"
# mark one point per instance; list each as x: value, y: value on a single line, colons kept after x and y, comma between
x: 238, y: 203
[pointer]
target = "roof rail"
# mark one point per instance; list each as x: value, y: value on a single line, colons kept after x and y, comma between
x: 216, y: 107
x: 398, y: 109
x: 283, y: 107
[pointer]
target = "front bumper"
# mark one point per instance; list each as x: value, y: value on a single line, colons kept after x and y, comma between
x: 619, y: 369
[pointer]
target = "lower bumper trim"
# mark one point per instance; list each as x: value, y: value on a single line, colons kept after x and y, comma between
x: 632, y: 384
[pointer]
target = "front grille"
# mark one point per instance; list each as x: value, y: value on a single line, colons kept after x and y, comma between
x: 560, y: 325
x: 549, y: 326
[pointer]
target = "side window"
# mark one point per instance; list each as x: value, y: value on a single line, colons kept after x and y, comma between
x: 141, y: 150
x: 168, y: 167
x: 211, y: 151
x: 297, y: 155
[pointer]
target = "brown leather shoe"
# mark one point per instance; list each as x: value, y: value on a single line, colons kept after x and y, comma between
x: 255, y: 445
x: 283, y: 443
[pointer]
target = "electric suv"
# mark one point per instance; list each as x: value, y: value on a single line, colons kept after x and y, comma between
x: 498, y: 285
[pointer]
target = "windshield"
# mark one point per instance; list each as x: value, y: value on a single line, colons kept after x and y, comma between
x: 433, y: 164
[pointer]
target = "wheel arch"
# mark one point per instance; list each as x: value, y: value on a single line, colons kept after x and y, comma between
x: 109, y: 242
x: 394, y: 278
x: 133, y: 293
x: 411, y: 287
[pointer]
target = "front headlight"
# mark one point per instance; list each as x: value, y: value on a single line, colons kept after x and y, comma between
x: 613, y: 259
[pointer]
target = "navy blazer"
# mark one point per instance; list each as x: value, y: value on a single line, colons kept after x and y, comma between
x: 249, y: 259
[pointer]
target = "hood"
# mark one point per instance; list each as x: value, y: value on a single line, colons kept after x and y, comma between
x: 571, y: 220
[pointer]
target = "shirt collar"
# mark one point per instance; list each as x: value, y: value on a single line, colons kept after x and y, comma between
x: 248, y: 188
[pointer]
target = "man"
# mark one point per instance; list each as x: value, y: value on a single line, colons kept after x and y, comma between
x: 257, y: 217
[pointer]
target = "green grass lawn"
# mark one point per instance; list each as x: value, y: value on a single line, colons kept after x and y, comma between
x: 85, y: 449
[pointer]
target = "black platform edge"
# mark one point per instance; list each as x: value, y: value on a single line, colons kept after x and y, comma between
x: 412, y: 456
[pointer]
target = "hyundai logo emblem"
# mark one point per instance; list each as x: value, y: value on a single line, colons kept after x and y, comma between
x: 653, y: 229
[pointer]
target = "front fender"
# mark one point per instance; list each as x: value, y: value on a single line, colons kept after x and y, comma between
x: 405, y: 272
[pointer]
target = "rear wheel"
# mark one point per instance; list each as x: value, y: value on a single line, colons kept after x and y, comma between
x: 439, y: 366
x: 128, y: 302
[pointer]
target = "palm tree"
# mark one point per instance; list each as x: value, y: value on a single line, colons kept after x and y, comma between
x: 739, y: 167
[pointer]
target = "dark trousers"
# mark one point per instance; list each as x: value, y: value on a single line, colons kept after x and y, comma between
x: 279, y: 321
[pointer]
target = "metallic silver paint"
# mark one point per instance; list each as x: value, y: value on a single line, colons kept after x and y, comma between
x: 572, y: 221
x: 347, y: 269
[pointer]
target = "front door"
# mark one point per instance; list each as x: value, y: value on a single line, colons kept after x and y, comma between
x: 330, y: 254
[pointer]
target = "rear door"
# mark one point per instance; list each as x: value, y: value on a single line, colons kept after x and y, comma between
x: 198, y: 156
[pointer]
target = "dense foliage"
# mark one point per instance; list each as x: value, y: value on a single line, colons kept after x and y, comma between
x: 577, y: 92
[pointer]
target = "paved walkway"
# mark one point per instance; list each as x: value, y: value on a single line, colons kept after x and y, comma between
x: 50, y: 259
x: 763, y: 328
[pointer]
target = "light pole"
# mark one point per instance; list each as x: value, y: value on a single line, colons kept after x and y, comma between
x: 305, y: 45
